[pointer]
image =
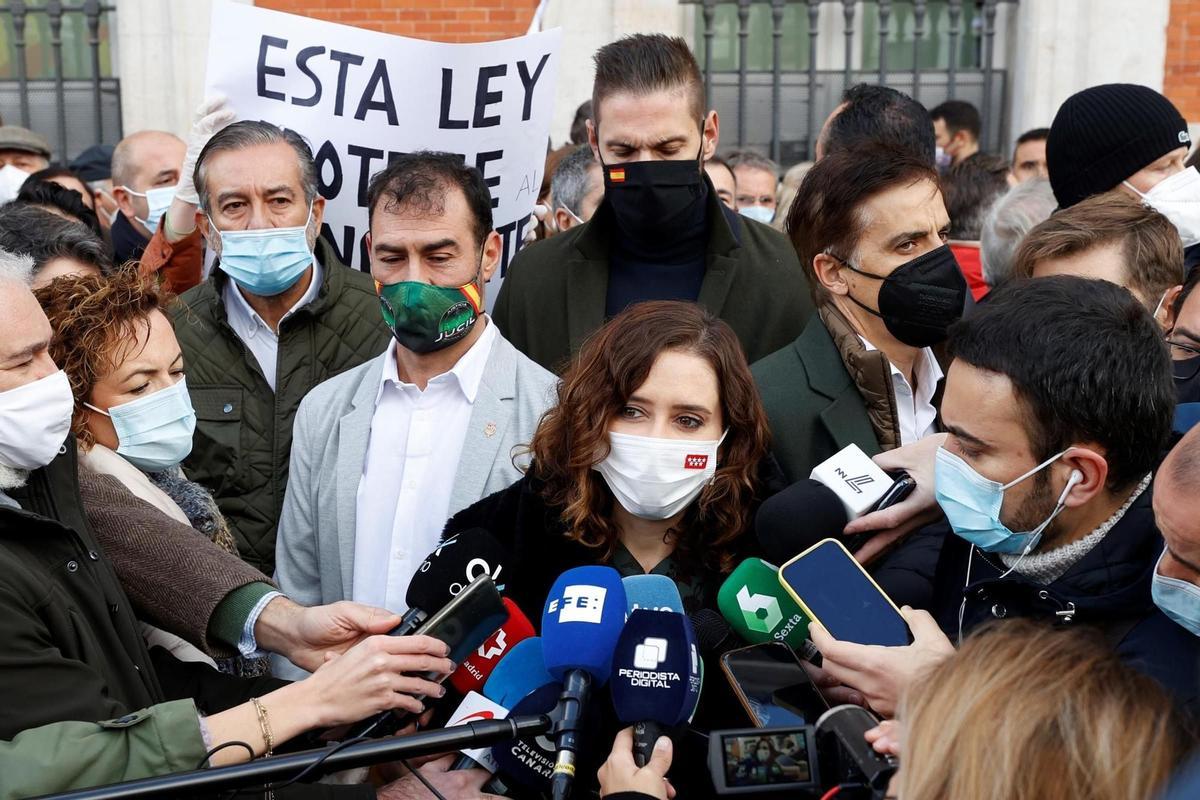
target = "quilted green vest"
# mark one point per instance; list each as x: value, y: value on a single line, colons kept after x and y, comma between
x: 243, y: 434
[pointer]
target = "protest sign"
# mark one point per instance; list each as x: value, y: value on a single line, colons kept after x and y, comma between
x: 361, y: 98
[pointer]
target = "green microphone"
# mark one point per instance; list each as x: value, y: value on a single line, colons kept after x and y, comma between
x: 759, y: 610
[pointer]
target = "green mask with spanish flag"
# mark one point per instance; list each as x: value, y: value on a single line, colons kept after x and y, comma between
x: 426, y: 318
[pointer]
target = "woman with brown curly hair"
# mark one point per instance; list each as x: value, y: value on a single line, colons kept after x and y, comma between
x: 650, y: 462
x: 133, y: 418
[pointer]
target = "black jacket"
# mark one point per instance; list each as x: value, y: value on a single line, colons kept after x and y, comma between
x: 1109, y: 588
x: 72, y: 648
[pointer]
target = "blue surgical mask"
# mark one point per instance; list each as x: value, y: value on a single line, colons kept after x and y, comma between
x: 154, y: 432
x: 266, y: 261
x: 158, y: 200
x: 972, y: 504
x: 1179, y: 600
x: 758, y: 213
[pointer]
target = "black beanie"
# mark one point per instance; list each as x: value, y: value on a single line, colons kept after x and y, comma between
x: 1104, y: 134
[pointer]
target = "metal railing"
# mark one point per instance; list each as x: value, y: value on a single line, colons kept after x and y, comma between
x: 78, y: 111
x: 789, y: 106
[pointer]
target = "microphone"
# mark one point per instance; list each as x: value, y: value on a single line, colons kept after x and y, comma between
x: 857, y: 481
x: 473, y: 708
x: 713, y: 634
x: 654, y: 592
x: 453, y: 566
x: 581, y: 621
x: 656, y: 681
x: 529, y: 763
x: 760, y: 610
x: 475, y: 668
x: 521, y: 671
x: 795, y: 519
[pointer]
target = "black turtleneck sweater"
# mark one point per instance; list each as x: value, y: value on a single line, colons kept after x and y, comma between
x: 670, y: 267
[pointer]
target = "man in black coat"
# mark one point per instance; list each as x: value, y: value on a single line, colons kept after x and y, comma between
x: 1057, y: 406
x: 661, y: 232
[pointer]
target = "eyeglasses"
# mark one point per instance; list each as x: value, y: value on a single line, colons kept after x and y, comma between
x: 1185, y: 360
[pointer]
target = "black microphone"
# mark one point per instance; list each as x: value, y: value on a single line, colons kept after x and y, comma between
x: 797, y: 518
x: 713, y: 633
x: 449, y: 569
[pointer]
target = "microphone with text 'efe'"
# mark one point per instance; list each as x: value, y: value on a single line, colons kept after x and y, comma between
x: 454, y: 565
x: 655, y: 684
x: 653, y: 592
x: 581, y: 622
x: 760, y: 610
x: 477, y: 667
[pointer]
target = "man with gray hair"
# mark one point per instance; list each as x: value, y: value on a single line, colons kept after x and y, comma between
x: 576, y: 188
x: 1012, y: 216
x: 757, y: 179
x: 279, y: 315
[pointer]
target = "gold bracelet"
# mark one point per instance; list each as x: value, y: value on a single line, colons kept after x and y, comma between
x: 264, y: 724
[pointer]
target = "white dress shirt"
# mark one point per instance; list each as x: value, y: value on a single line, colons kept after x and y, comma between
x: 257, y: 335
x: 408, y: 474
x: 917, y: 416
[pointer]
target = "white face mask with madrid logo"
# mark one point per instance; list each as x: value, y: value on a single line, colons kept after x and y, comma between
x: 657, y: 478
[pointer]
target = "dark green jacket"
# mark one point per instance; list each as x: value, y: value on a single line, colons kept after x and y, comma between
x: 555, y: 292
x: 72, y: 649
x: 243, y: 434
x: 813, y: 405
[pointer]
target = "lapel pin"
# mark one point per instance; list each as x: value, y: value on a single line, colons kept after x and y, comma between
x: 489, y: 430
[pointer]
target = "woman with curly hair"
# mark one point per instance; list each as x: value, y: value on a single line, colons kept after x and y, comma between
x: 651, y: 461
x: 133, y: 417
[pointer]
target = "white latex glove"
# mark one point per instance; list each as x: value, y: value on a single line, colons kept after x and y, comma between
x: 212, y: 115
x: 541, y: 213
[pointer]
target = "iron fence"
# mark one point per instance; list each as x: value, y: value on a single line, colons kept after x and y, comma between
x: 72, y: 96
x: 778, y: 109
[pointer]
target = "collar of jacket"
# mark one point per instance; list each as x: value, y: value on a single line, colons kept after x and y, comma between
x: 53, y: 491
x: 871, y: 374
x: 333, y: 279
x: 724, y: 229
x: 1111, y: 580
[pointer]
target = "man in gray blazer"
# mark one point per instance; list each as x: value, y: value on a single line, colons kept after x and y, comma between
x: 384, y: 453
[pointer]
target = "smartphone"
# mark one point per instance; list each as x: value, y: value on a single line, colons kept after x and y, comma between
x: 901, y: 488
x: 837, y: 592
x: 468, y: 620
x: 772, y: 685
x: 754, y: 761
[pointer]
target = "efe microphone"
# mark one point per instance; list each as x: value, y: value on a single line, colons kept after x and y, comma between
x: 581, y: 622
x: 656, y: 681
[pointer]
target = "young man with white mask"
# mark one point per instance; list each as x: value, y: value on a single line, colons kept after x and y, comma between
x: 1130, y: 138
x: 279, y: 315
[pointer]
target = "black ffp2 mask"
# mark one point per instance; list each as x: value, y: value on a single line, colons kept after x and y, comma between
x: 654, y: 199
x: 921, y: 299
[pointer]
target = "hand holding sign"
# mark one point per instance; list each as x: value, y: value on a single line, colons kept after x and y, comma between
x: 373, y: 96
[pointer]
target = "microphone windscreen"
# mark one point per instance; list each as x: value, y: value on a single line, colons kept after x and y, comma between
x: 529, y: 762
x: 654, y: 592
x: 475, y: 708
x: 476, y: 667
x: 581, y: 621
x: 794, y: 520
x: 520, y: 671
x: 656, y: 669
x: 713, y: 634
x: 758, y: 608
x: 454, y: 565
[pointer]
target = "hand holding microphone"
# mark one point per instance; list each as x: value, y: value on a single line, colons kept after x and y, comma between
x: 621, y: 773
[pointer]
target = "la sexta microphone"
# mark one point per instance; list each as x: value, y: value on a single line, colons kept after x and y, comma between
x: 453, y: 566
x: 656, y: 677
x: 653, y: 592
x: 581, y: 621
x: 760, y: 610
x: 476, y: 667
x: 793, y: 520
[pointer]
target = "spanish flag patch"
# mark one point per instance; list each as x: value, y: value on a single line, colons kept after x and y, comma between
x: 617, y: 174
x: 471, y: 292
